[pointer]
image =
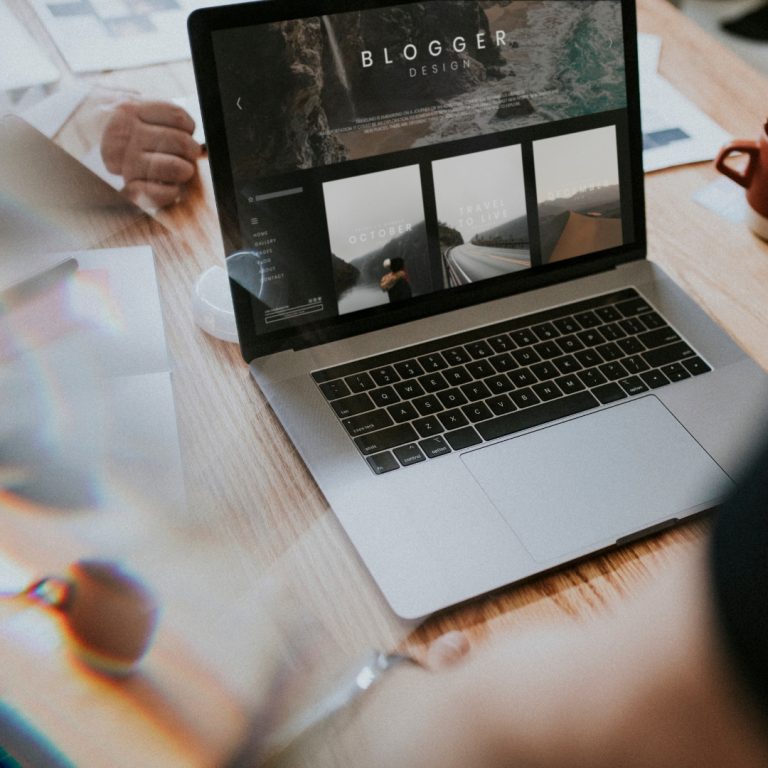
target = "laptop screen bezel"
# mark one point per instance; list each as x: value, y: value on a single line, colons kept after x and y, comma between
x: 203, y: 23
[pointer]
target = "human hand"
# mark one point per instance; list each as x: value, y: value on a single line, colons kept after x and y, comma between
x: 150, y: 144
x: 445, y: 651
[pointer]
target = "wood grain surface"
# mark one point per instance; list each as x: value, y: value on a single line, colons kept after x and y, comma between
x: 257, y: 557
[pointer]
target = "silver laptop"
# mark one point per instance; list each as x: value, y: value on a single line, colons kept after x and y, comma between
x: 434, y: 225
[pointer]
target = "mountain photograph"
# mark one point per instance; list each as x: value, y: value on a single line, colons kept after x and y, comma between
x: 579, y: 200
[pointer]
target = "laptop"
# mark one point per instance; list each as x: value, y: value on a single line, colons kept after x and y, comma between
x: 433, y: 219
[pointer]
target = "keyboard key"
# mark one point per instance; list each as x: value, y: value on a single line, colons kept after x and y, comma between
x: 409, y: 389
x: 402, y: 412
x: 386, y: 439
x: 675, y: 372
x: 569, y: 344
x: 696, y: 366
x: 545, y: 331
x: 533, y: 417
x: 609, y: 351
x: 434, y: 447
x: 633, y: 307
x: 609, y: 393
x: 524, y: 337
x: 427, y: 405
x: 384, y: 397
x: 463, y: 438
x: 452, y: 419
x: 546, y: 391
x: 360, y: 382
x: 522, y: 378
x: 652, y: 320
x: 633, y: 385
x: 587, y: 319
x: 352, y: 405
x: 570, y: 384
x: 613, y: 371
x: 590, y: 338
x: 654, y: 379
x: 334, y: 389
x: 567, y: 364
x: 592, y: 377
x: 499, y: 384
x: 382, y: 462
x: 476, y: 412
x: 613, y: 331
x: 566, y: 325
x: 428, y: 427
x: 524, y: 398
x: 409, y: 454
x: 480, y: 369
x: 384, y: 376
x: 367, y: 422
x: 659, y: 337
x: 433, y: 382
x: 635, y: 364
x: 669, y: 354
x: 479, y: 349
x: 433, y: 362
x: 452, y: 398
x: 547, y: 350
x: 632, y: 325
x: 456, y: 376
x: 501, y: 343
x: 503, y: 363
x: 408, y: 369
x: 544, y: 371
x: 526, y: 356
x: 476, y: 390
x: 630, y: 345
x: 456, y: 356
x: 501, y: 404
x: 608, y: 314
x: 588, y: 357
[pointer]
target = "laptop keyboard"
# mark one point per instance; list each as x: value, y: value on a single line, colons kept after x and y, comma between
x: 421, y: 402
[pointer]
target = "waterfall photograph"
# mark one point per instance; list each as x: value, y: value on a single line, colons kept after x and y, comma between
x: 352, y: 85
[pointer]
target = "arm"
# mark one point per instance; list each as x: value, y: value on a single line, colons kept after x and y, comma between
x: 650, y: 686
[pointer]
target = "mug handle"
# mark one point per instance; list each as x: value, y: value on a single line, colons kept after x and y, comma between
x: 736, y: 147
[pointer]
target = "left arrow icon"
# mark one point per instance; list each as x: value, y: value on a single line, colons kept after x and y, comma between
x: 238, y: 104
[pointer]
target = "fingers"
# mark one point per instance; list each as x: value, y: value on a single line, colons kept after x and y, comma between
x: 447, y: 650
x: 152, y: 194
x: 157, y: 166
x: 164, y: 114
x: 150, y: 145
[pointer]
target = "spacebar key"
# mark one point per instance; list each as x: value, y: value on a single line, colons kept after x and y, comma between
x: 539, y: 414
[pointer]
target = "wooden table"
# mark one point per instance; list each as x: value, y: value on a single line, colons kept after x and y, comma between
x: 256, y: 522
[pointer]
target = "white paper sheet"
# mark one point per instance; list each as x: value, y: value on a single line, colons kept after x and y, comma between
x: 675, y: 131
x: 22, y: 63
x: 96, y: 35
x: 117, y: 289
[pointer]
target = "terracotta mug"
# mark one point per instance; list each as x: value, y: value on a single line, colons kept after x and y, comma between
x: 754, y: 178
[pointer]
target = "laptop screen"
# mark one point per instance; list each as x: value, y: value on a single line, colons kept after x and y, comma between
x: 397, y: 159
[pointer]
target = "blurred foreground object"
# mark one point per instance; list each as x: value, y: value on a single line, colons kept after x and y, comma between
x: 109, y: 615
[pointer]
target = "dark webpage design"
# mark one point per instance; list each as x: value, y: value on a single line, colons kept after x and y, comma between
x: 386, y: 154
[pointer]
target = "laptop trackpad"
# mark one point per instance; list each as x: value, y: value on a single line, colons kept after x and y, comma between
x: 589, y: 481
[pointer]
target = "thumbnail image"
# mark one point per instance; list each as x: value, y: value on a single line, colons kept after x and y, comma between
x: 482, y: 221
x: 577, y: 185
x: 378, y: 238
